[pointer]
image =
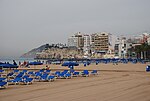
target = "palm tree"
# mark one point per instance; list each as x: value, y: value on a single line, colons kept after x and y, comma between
x: 147, y: 50
x: 138, y: 50
x: 142, y: 51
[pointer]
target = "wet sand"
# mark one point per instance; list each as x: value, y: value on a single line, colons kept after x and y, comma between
x: 123, y: 82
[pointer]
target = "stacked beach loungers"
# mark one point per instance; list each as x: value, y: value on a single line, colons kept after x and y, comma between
x: 28, y: 77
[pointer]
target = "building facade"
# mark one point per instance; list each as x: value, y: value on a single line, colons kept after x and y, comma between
x: 121, y: 47
x: 96, y: 44
x: 80, y: 40
x: 100, y: 42
x: 76, y: 40
x: 72, y: 41
x: 87, y: 41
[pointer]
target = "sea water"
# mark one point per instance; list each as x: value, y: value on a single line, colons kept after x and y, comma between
x: 17, y: 60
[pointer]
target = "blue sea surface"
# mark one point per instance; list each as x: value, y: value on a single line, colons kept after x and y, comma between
x: 10, y: 60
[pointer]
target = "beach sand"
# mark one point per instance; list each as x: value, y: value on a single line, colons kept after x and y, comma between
x: 123, y: 82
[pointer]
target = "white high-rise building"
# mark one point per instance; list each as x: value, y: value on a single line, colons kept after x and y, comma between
x: 87, y: 41
x: 72, y: 41
x: 121, y: 47
x: 76, y: 40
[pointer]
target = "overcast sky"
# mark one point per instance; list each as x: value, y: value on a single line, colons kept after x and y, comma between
x: 27, y: 24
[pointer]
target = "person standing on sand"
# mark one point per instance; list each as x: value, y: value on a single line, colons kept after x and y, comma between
x: 14, y: 62
x: 47, y: 67
x: 19, y: 63
x: 71, y: 69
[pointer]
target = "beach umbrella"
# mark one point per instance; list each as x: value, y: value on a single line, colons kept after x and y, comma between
x: 8, y: 66
x: 147, y: 68
x: 86, y: 63
x: 35, y: 63
x: 70, y: 64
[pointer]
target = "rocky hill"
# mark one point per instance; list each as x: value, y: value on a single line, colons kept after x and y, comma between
x: 32, y: 53
x: 55, y: 51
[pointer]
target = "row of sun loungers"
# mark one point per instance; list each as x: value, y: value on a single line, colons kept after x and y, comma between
x: 3, y: 82
x: 28, y: 77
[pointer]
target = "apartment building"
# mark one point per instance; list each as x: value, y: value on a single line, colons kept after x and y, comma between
x: 100, y: 42
x: 121, y: 47
x: 76, y: 40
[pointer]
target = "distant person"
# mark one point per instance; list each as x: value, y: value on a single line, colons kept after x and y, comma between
x: 14, y: 62
x: 96, y: 63
x: 27, y: 65
x: 19, y: 63
x: 47, y: 67
x: 71, y: 68
x: 24, y: 63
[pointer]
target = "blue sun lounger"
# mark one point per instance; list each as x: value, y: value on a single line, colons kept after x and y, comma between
x: 94, y: 72
x: 48, y: 71
x: 57, y: 74
x: 64, y: 74
x: 2, y: 84
x: 67, y: 75
x: 16, y: 71
x: 43, y: 77
x: 24, y: 71
x: 31, y: 73
x: 65, y: 71
x: 38, y: 75
x: 2, y: 79
x: 27, y: 80
x: 25, y: 76
x: 85, y: 73
x: 61, y: 75
x: 51, y: 78
x: 10, y: 74
x: 41, y: 70
x: 1, y: 71
x: 20, y: 75
x: 15, y: 81
x: 75, y: 74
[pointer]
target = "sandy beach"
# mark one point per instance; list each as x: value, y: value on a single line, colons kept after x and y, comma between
x: 123, y: 82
